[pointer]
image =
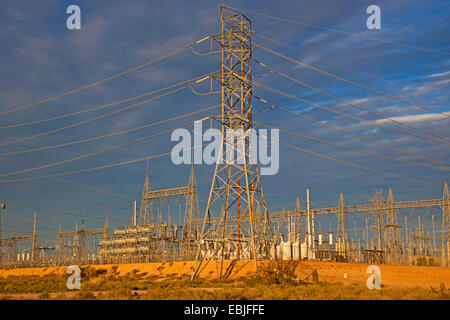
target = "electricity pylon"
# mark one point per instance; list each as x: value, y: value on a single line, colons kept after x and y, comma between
x: 394, y: 240
x: 236, y: 191
x: 146, y: 210
x: 191, y: 217
x: 342, y: 226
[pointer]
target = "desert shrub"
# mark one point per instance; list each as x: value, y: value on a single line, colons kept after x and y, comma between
x: 153, y: 277
x: 117, y: 294
x: 114, y: 270
x: 276, y: 272
x: 44, y: 295
x: 84, y: 294
x: 172, y: 275
x: 160, y: 268
x: 89, y: 272
x: 33, y: 284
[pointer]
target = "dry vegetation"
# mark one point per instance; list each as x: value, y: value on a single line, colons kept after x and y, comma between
x: 273, y: 282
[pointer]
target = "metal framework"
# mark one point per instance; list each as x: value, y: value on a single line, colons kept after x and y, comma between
x: 293, y: 237
x: 236, y: 223
x: 153, y: 239
x: 236, y: 191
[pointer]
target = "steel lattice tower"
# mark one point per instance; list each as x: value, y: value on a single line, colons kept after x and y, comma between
x: 236, y: 191
x: 342, y: 226
x: 394, y: 250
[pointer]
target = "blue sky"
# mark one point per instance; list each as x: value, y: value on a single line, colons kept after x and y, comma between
x: 40, y: 57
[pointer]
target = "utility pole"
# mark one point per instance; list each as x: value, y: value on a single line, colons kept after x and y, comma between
x: 434, y: 234
x: 308, y: 244
x: 34, y: 239
x: 313, y: 229
x: 420, y: 238
x: 297, y: 209
x: 2, y: 207
x: 341, y: 225
x: 407, y: 237
x: 134, y: 214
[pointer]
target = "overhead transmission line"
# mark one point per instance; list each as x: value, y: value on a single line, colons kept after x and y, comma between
x: 321, y: 57
x: 171, y: 53
x: 54, y: 194
x: 103, y: 150
x: 61, y: 212
x: 168, y: 153
x: 346, y: 114
x: 351, y: 163
x: 105, y: 114
x: 66, y: 115
x: 109, y: 134
x: 300, y: 115
x: 354, y: 149
x: 344, y: 32
x: 44, y: 175
x: 112, y: 165
x: 354, y: 105
x: 348, y: 81
x: 98, y: 52
x: 87, y: 155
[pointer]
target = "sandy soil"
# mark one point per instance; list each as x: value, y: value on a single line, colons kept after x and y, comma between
x: 391, y: 275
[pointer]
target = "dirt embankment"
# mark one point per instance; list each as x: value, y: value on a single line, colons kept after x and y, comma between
x: 391, y: 275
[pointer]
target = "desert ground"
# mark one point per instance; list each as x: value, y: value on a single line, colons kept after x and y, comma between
x: 283, y: 280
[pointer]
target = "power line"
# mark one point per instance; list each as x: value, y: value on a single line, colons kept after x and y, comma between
x: 350, y: 103
x: 112, y: 165
x: 95, y: 53
x: 321, y: 57
x: 100, y: 116
x: 107, y: 135
x: 349, y: 133
x: 355, y: 149
x: 346, y: 114
x: 343, y: 32
x: 60, y: 211
x: 354, y: 164
x: 22, y: 124
x: 44, y: 175
x: 90, y: 119
x: 348, y: 81
x: 171, y: 53
x: 87, y: 155
x: 66, y: 197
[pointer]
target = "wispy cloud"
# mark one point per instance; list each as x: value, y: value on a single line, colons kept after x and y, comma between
x: 417, y: 118
x: 440, y: 74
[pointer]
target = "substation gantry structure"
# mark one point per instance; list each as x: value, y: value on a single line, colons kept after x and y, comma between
x: 152, y: 240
